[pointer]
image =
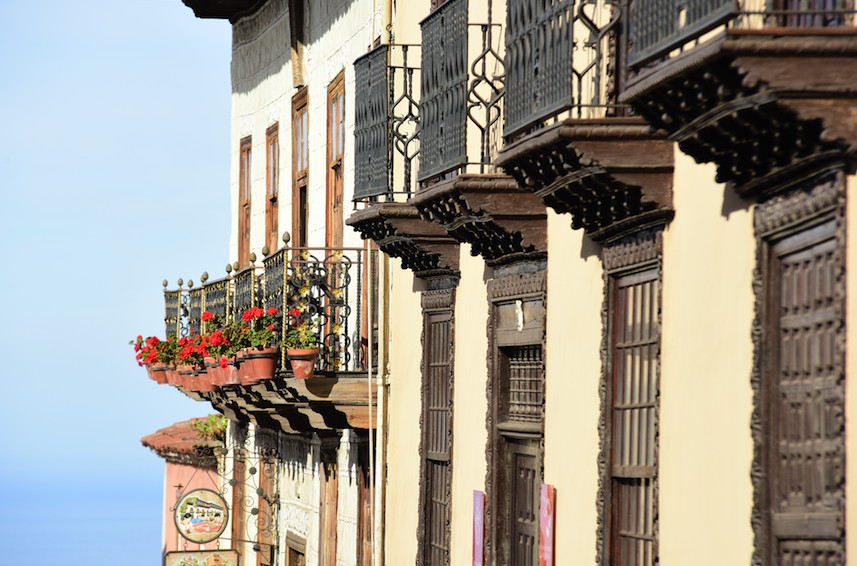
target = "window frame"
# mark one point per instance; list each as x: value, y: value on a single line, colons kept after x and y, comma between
x: 335, y: 164
x: 272, y: 186
x: 300, y: 168
x: 245, y: 200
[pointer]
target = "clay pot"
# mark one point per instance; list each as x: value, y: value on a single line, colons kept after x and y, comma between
x: 202, y: 380
x: 263, y: 362
x: 302, y: 361
x: 230, y: 375
x: 185, y: 379
x: 212, y: 368
x: 172, y: 375
x: 157, y: 372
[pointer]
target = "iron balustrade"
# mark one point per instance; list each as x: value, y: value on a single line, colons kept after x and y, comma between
x: 386, y: 131
x: 659, y: 27
x: 335, y: 288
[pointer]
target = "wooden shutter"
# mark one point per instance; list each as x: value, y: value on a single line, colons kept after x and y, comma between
x: 265, y: 518
x: 327, y: 515
x: 300, y: 168
x: 335, y: 150
x: 244, y: 204
x: 437, y: 431
x: 272, y: 155
x: 634, y: 396
x: 806, y: 406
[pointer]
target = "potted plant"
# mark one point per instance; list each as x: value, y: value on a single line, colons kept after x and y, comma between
x: 223, y: 344
x: 260, y: 354
x: 156, y: 355
x: 210, y: 431
x: 300, y: 343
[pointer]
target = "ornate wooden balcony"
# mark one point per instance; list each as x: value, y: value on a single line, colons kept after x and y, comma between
x: 503, y: 222
x: 397, y: 228
x: 460, y: 99
x: 769, y: 99
x: 613, y: 175
x: 223, y: 9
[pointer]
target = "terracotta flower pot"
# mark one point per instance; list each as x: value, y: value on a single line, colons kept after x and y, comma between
x: 172, y: 375
x: 212, y: 368
x: 157, y: 372
x: 263, y: 362
x: 186, y: 380
x: 302, y: 361
x: 230, y: 374
x: 203, y: 380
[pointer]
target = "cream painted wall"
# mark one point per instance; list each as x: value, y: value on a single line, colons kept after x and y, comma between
x: 850, y: 362
x: 470, y: 403
x: 403, y: 464
x: 706, y: 359
x: 573, y: 371
x: 338, y: 32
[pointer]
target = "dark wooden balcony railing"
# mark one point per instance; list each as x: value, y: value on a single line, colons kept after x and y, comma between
x: 460, y: 98
x: 661, y: 26
x: 386, y: 124
x: 335, y: 287
x: 443, y: 95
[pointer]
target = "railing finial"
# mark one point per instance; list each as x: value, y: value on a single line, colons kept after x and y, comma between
x: 235, y: 266
x: 286, y: 238
x: 228, y: 268
x: 204, y: 277
x: 165, y: 283
x: 180, y: 282
x: 265, y: 251
x: 252, y: 257
x: 190, y: 283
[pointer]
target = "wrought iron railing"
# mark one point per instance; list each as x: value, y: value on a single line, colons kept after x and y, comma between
x: 336, y: 288
x: 659, y: 27
x: 386, y: 124
x: 558, y: 58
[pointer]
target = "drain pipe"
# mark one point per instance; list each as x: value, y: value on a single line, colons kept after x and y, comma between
x: 382, y: 385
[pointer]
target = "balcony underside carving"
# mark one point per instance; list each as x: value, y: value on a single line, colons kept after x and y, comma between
x: 769, y: 107
x: 613, y: 175
x: 223, y: 9
x: 424, y: 247
x: 297, y: 405
x: 502, y: 222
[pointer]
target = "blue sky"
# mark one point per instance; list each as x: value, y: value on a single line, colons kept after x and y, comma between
x: 114, y: 172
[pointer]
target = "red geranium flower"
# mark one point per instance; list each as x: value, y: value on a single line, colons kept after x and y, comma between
x: 270, y: 327
x: 247, y: 316
x: 272, y: 310
x: 207, y: 316
x: 223, y: 363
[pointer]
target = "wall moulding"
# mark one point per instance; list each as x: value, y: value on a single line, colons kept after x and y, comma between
x: 613, y: 175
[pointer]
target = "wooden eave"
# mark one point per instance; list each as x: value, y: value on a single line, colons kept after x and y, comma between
x: 770, y: 107
x: 231, y: 10
x: 322, y: 403
x: 502, y: 222
x: 424, y: 247
x: 613, y: 175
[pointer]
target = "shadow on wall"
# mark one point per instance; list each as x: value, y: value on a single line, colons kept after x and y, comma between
x: 262, y: 42
x: 732, y: 202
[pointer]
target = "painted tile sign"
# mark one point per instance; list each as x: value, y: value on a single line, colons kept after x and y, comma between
x: 478, y: 528
x: 201, y: 515
x: 202, y: 558
x: 547, y: 515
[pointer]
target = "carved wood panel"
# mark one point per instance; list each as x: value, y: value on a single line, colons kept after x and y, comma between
x: 798, y: 377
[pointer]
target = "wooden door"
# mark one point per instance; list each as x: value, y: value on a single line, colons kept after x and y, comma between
x: 806, y: 401
x: 335, y: 150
